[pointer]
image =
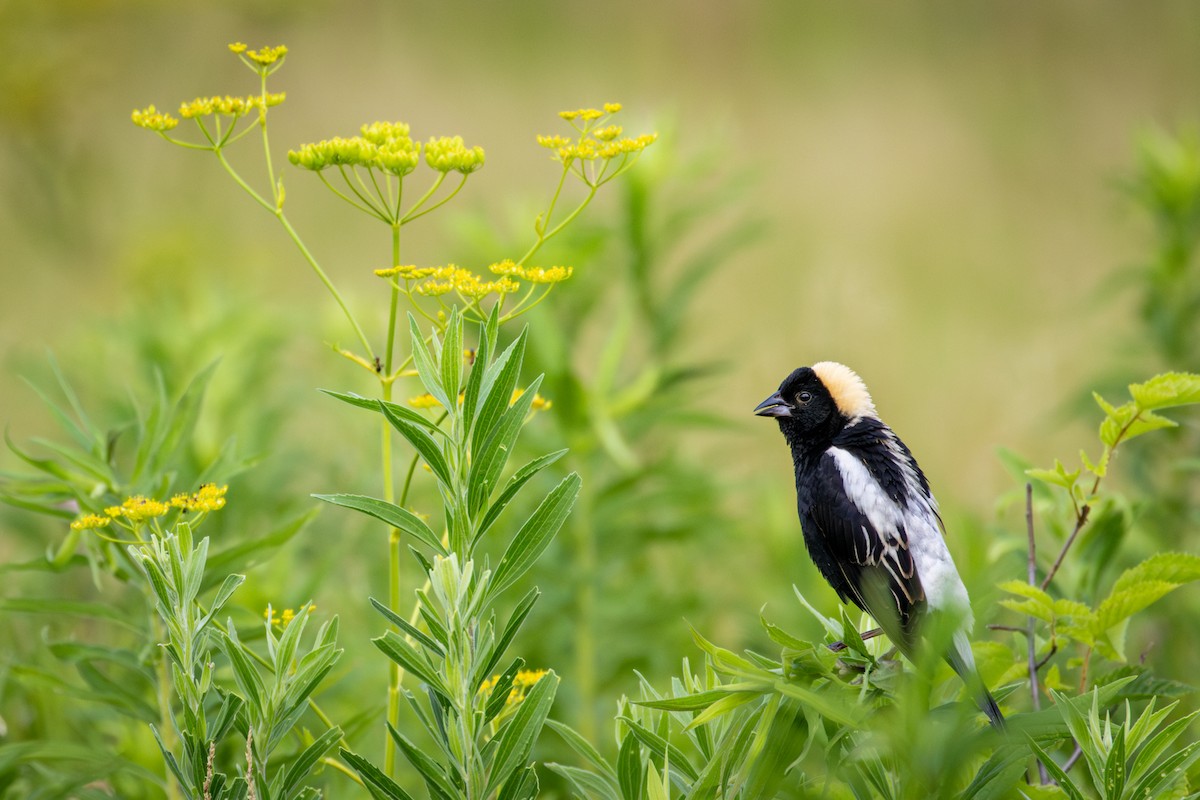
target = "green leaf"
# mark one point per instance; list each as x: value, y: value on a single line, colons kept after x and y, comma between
x: 1056, y: 771
x: 250, y: 553
x: 1057, y: 476
x: 435, y: 776
x: 489, y: 460
x: 498, y: 697
x: 1150, y: 752
x: 373, y: 404
x: 1168, y: 772
x: 495, y: 394
x: 409, y: 629
x: 452, y: 356
x: 244, y: 673
x: 1177, y: 568
x: 690, y: 702
x: 515, y: 620
x: 631, y: 768
x: 1145, y: 422
x: 423, y: 443
x: 535, y: 534
x: 1165, y: 391
x: 585, y: 749
x: 400, y: 651
x: 519, y: 734
x: 730, y: 702
x: 1114, y: 766
x: 523, y: 785
x: 514, y: 485
x: 374, y: 778
x: 998, y: 776
x: 427, y: 370
x: 390, y: 513
x: 70, y: 608
x: 1124, y: 603
x: 586, y: 784
x: 304, y: 762
x: 663, y: 749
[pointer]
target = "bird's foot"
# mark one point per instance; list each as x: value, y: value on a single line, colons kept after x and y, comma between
x: 838, y: 647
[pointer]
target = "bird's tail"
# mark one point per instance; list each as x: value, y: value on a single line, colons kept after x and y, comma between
x: 963, y: 662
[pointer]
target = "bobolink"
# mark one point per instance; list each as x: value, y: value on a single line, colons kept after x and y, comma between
x: 870, y: 522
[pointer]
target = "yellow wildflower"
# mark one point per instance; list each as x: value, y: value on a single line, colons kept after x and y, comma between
x: 152, y: 119
x: 539, y: 403
x: 237, y: 48
x: 433, y: 288
x: 448, y: 153
x: 608, y: 134
x: 612, y: 108
x: 553, y: 142
x: 508, y: 267
x: 265, y: 56
x: 547, y: 275
x: 90, y: 522
x: 523, y: 681
x: 209, y: 497
x: 286, y: 616
x: 138, y: 509
x: 424, y: 401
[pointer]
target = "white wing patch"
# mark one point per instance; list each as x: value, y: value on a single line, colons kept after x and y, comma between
x: 915, y: 528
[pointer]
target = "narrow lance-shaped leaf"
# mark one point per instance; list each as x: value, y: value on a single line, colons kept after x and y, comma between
x: 514, y: 485
x: 535, y: 534
x: 377, y: 406
x: 452, y: 357
x: 518, y: 736
x: 424, y: 444
x: 490, y: 458
x: 426, y: 369
x: 390, y: 513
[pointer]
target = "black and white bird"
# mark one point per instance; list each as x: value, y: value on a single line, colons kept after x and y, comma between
x: 870, y: 522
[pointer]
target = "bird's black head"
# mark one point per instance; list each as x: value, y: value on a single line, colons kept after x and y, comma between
x: 814, y: 403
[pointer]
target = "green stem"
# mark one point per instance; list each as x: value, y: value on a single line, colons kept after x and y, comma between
x: 585, y: 646
x: 544, y: 237
x: 308, y: 256
x: 395, y: 673
x: 410, y: 216
x: 436, y: 183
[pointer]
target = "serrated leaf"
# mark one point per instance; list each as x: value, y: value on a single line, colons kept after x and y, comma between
x: 1145, y: 422
x: 1167, y: 390
x: 1177, y: 568
x: 390, y: 513
x: 1124, y: 603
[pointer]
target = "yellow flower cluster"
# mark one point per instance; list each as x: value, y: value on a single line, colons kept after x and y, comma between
x: 264, y: 56
x: 448, y: 153
x: 90, y: 522
x: 450, y: 278
x: 511, y: 269
x: 523, y: 681
x: 229, y: 106
x: 383, y: 145
x: 595, y: 142
x: 138, y: 509
x: 152, y: 119
x: 285, y: 616
x: 209, y: 497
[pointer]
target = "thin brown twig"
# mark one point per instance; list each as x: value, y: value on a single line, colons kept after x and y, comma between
x: 1034, y: 689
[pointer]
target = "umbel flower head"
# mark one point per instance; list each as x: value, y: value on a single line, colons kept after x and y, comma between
x: 387, y: 146
x: 152, y: 119
x: 597, y: 141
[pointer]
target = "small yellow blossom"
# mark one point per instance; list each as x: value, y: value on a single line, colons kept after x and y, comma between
x: 433, y: 288
x: 408, y: 272
x: 209, y: 497
x: 608, y: 134
x: 237, y: 48
x: 508, y: 267
x: 265, y: 56
x: 138, y: 509
x: 424, y: 401
x: 229, y: 106
x: 547, y: 275
x: 523, y: 681
x: 612, y: 108
x: 90, y: 522
x: 553, y: 142
x: 286, y: 616
x: 539, y: 403
x: 448, y: 153
x: 152, y: 119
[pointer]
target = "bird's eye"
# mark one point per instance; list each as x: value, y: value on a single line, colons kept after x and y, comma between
x: 803, y: 398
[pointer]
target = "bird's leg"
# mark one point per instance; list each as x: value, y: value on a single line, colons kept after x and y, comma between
x: 838, y: 647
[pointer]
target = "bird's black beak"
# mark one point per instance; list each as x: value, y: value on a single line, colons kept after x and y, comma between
x: 774, y: 406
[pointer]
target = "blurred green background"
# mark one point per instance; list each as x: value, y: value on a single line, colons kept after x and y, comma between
x: 937, y: 185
